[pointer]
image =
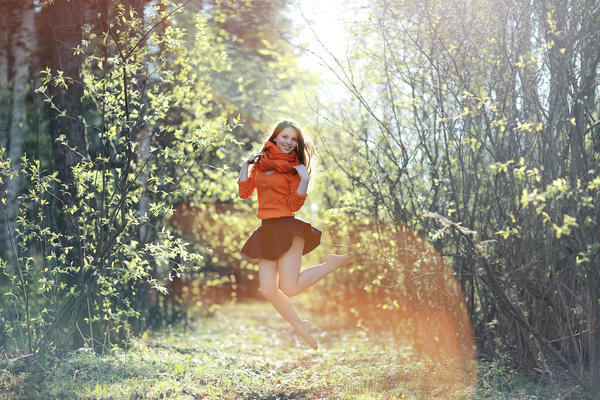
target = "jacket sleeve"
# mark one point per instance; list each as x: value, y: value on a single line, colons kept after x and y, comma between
x: 295, y: 200
x: 246, y: 188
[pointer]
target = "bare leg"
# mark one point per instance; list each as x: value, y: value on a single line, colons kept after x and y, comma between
x: 269, y: 277
x: 292, y: 281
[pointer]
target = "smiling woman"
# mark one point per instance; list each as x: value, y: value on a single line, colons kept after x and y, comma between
x: 280, y: 176
x: 287, y: 140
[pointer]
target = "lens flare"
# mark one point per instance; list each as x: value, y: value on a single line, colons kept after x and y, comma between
x: 402, y: 285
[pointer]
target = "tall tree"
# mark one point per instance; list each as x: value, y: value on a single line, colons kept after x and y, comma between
x: 92, y: 243
x: 496, y: 106
x: 63, y: 33
x: 15, y: 85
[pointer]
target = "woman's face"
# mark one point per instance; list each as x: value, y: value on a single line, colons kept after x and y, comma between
x: 287, y: 140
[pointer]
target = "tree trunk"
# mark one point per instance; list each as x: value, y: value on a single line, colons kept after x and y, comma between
x: 64, y: 34
x: 21, y: 52
x: 5, y: 32
x: 19, y: 28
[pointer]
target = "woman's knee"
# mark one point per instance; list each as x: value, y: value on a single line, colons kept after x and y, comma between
x: 289, y: 289
x: 269, y: 291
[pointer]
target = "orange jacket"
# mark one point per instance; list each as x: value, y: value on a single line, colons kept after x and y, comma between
x: 277, y: 193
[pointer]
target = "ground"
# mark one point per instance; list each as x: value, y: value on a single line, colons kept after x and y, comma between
x: 246, y: 351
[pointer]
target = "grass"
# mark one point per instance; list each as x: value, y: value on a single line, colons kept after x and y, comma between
x: 246, y: 351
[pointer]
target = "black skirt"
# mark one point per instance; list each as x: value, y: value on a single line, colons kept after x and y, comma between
x: 275, y: 236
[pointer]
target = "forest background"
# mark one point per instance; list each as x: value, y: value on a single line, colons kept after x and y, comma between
x: 459, y: 145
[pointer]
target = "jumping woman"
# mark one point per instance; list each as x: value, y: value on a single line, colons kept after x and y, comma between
x: 280, y: 175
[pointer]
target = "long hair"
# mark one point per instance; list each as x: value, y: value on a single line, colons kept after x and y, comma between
x: 305, y: 150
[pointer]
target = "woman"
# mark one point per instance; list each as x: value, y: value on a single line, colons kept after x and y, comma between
x: 280, y: 176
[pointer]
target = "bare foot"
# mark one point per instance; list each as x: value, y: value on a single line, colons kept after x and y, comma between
x: 337, y: 260
x: 304, y: 331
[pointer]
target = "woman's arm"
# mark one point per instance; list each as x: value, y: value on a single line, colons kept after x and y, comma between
x: 244, y: 171
x: 246, y: 181
x: 304, y: 179
x: 250, y: 160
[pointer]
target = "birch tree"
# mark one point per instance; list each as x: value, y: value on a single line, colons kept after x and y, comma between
x: 15, y: 87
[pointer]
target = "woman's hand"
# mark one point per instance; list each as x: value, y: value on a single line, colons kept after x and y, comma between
x: 250, y: 160
x: 302, y: 172
x: 304, y: 178
x: 254, y: 157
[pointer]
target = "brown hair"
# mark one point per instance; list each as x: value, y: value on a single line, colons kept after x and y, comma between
x: 305, y: 150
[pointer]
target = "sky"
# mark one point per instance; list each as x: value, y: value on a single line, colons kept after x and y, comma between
x: 325, y: 26
x: 328, y: 22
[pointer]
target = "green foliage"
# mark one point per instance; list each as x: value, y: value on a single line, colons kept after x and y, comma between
x: 486, y: 118
x: 137, y: 79
x: 267, y: 72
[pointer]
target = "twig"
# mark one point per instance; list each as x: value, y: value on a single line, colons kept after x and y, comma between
x: 501, y: 295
